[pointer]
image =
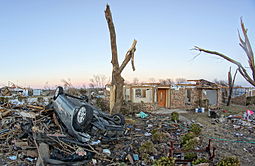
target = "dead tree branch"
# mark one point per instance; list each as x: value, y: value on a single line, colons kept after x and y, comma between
x: 129, y: 55
x: 245, y: 44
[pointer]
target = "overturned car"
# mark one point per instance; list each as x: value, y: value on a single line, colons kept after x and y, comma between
x: 84, y: 121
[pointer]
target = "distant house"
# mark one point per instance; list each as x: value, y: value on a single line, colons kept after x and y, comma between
x: 10, y: 91
x: 37, y: 92
x: 193, y: 94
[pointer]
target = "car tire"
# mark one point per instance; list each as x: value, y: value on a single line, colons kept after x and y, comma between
x: 118, y: 119
x: 83, y: 118
x: 58, y: 91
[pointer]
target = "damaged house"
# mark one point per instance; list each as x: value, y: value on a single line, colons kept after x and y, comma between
x: 195, y: 93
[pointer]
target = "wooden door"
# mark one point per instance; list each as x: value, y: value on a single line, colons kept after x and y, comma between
x: 162, y: 97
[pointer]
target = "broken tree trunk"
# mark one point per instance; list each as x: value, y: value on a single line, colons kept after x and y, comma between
x: 116, y: 93
x: 245, y: 44
x: 231, y: 82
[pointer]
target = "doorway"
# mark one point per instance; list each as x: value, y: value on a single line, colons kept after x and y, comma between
x: 162, y: 97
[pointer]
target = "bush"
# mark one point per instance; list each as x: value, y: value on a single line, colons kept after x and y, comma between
x: 190, y: 144
x: 196, y: 129
x: 165, y: 161
x: 147, y: 147
x: 200, y: 160
x: 175, y: 116
x: 190, y: 156
x: 229, y: 161
x: 185, y: 138
x: 4, y: 100
x: 158, y: 136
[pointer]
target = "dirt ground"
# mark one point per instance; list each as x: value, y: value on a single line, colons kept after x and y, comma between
x: 231, y: 137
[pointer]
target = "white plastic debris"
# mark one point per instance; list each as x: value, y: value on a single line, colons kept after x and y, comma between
x: 107, y: 151
x: 12, y: 157
x: 27, y: 114
x: 147, y: 134
x: 95, y: 142
x: 94, y: 161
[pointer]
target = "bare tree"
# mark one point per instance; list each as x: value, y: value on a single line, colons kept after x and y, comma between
x: 67, y: 83
x: 46, y: 86
x: 116, y: 93
x: 220, y: 82
x: 98, y: 81
x: 167, y: 81
x: 70, y: 89
x: 245, y: 44
x: 180, y: 80
x: 135, y: 81
x: 152, y: 80
x: 231, y: 82
x: 162, y: 81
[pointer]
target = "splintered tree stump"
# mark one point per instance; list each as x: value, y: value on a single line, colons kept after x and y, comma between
x: 117, y: 83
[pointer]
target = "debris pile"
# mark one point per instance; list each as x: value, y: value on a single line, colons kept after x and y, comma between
x: 34, y: 134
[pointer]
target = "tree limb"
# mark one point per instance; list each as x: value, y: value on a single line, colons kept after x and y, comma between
x: 241, y: 69
x: 247, y: 48
x: 130, y: 54
x: 108, y: 16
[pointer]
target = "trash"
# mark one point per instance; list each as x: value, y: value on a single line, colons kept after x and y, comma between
x: 152, y: 158
x: 236, y: 127
x: 238, y: 134
x: 21, y: 144
x: 212, y: 114
x: 94, y: 161
x: 142, y: 115
x: 80, y: 151
x: 30, y: 159
x: 136, y: 157
x: 200, y: 110
x: 27, y: 114
x: 130, y: 159
x: 12, y: 157
x: 249, y: 115
x: 221, y: 119
x: 107, y: 151
x: 32, y: 153
x: 95, y: 142
x: 147, y: 134
x: 4, y: 131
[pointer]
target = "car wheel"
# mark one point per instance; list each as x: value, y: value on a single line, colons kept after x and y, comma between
x: 118, y: 119
x: 58, y: 91
x: 83, y: 118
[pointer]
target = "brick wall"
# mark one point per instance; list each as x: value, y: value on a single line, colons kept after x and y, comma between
x: 178, y: 99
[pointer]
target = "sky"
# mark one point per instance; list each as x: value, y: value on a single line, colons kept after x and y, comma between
x: 45, y: 41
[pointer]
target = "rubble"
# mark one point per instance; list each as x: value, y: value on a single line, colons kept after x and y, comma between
x: 34, y: 135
